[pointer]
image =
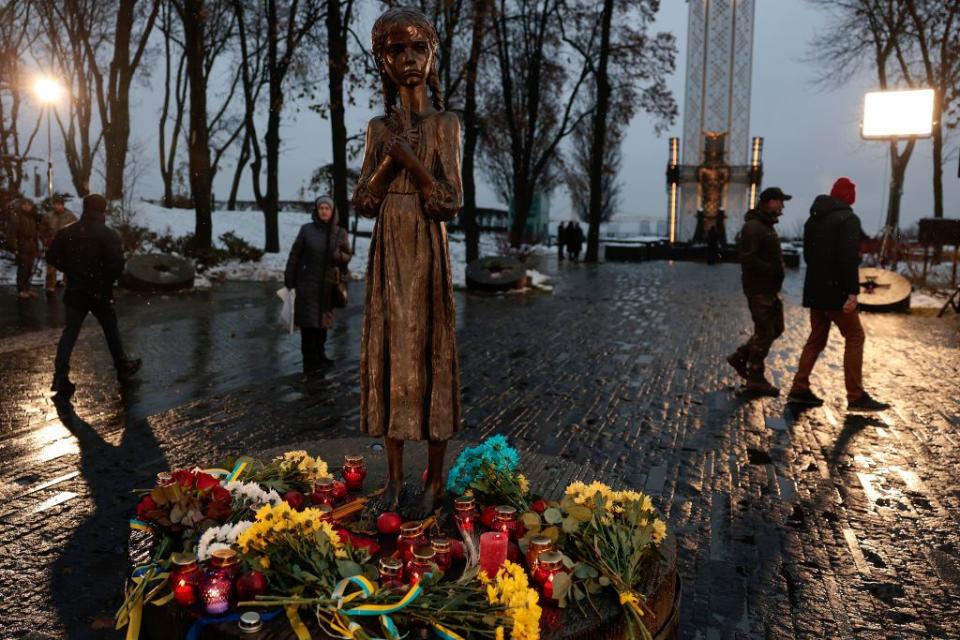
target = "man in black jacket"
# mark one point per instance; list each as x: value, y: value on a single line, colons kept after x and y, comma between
x: 831, y: 249
x: 761, y: 263
x: 91, y: 255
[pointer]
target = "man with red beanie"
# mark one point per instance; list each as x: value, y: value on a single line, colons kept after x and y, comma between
x: 831, y: 243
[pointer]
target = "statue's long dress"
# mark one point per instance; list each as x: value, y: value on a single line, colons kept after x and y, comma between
x: 409, y: 370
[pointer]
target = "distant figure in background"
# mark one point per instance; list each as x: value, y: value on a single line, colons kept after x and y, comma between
x: 91, y: 257
x: 831, y: 244
x: 561, y: 240
x: 574, y: 240
x: 23, y: 239
x: 321, y: 250
x: 713, y: 245
x: 57, y: 218
x: 761, y: 264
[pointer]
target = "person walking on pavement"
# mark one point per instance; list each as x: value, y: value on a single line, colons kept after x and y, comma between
x: 320, y: 252
x: 831, y: 243
x: 91, y: 257
x: 23, y: 239
x: 57, y: 218
x: 761, y: 264
x: 561, y: 240
x: 574, y: 240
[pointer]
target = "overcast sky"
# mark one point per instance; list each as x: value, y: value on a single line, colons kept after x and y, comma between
x: 811, y: 136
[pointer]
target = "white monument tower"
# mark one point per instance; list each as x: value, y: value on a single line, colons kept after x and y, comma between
x: 719, y: 69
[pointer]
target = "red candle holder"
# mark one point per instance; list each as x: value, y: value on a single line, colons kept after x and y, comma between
x: 465, y: 511
x: 324, y: 492
x: 538, y: 545
x: 549, y: 565
x: 354, y: 471
x: 506, y: 520
x: 224, y: 562
x: 441, y: 547
x: 411, y: 536
x: 185, y: 578
x: 422, y: 563
x: 493, y: 551
x: 215, y: 592
x: 391, y: 573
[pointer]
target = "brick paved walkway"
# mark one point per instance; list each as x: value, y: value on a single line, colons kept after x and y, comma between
x: 812, y: 525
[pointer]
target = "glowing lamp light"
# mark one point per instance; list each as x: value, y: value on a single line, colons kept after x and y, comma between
x: 47, y: 89
x: 898, y: 114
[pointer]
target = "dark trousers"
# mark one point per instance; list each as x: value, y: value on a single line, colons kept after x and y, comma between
x: 76, y: 312
x: 312, y: 341
x: 853, y: 341
x: 766, y: 309
x: 25, y: 265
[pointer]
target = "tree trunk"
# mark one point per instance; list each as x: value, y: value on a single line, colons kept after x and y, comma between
x: 238, y: 172
x: 599, y: 142
x: 937, y: 169
x: 337, y: 68
x: 199, y: 135
x: 271, y: 205
x: 116, y: 133
x: 522, y: 202
x: 471, y: 135
x: 898, y: 169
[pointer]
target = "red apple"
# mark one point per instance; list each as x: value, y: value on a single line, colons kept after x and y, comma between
x: 389, y: 522
x: 339, y: 490
x: 487, y: 516
x: 295, y: 499
x: 539, y: 506
x: 250, y: 585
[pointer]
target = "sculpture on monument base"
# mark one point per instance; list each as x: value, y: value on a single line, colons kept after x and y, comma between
x: 409, y: 182
x: 713, y: 174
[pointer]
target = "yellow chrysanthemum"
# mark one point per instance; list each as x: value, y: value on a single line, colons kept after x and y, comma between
x: 499, y: 635
x: 524, y: 483
x: 511, y: 589
x: 659, y: 531
x: 264, y: 562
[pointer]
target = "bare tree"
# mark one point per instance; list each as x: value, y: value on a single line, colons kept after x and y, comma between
x: 16, y: 37
x: 935, y: 33
x: 530, y: 105
x: 578, y: 175
x: 65, y: 44
x: 872, y: 33
x: 629, y: 70
x: 284, y: 25
x: 172, y: 57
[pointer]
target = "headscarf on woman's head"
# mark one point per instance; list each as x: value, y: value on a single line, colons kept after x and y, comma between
x: 316, y: 205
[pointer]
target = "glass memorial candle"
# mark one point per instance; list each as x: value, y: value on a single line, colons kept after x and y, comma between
x: 225, y: 563
x: 323, y: 492
x: 185, y: 578
x: 411, y: 536
x: 493, y: 551
x: 549, y: 564
x: 215, y: 592
x: 465, y: 511
x: 537, y: 546
x: 506, y: 520
x: 326, y: 511
x: 354, y: 471
x: 391, y: 573
x: 422, y: 563
x: 441, y: 547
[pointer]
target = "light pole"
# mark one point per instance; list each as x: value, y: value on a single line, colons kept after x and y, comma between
x: 48, y: 90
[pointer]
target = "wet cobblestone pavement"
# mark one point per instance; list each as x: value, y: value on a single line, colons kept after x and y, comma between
x: 818, y: 524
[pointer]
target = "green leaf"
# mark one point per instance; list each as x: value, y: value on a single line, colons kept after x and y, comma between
x: 584, y: 570
x: 570, y: 525
x: 348, y: 568
x: 561, y: 585
x: 552, y: 516
x: 552, y: 532
x: 604, y: 581
x: 566, y: 502
x: 531, y: 520
x: 580, y: 512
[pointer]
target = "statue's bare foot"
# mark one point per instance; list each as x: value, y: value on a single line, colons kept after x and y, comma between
x: 391, y: 496
x: 432, y: 494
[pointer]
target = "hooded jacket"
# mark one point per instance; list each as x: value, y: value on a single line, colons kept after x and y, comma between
x: 91, y: 255
x: 831, y: 249
x: 321, y: 248
x: 761, y: 258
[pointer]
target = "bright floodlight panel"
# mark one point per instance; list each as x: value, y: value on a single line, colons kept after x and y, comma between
x: 898, y: 114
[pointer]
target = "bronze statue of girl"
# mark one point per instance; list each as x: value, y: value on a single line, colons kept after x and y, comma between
x: 410, y: 182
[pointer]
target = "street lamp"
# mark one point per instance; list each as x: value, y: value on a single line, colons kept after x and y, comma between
x: 48, y: 90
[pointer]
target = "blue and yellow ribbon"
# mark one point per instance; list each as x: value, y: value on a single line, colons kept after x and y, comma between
x: 140, y: 525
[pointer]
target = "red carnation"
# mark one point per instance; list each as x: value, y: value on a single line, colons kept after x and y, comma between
x: 220, y: 494
x: 218, y: 510
x: 184, y: 478
x: 205, y: 481
x: 145, y: 507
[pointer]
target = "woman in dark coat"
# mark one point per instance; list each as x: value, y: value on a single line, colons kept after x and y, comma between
x: 320, y: 252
